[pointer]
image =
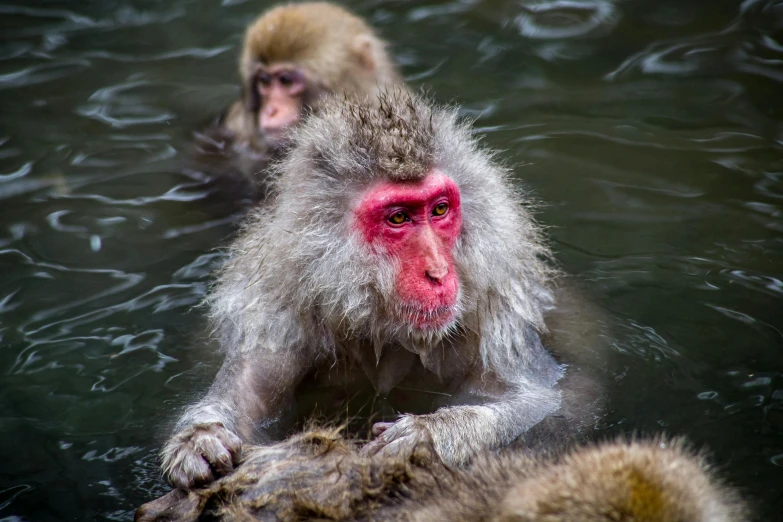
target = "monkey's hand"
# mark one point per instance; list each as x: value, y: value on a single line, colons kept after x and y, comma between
x: 398, y: 439
x: 199, y: 454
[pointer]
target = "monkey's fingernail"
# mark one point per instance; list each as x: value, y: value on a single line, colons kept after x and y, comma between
x: 380, y: 427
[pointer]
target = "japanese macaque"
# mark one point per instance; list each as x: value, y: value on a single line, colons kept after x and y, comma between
x: 397, y: 253
x: 293, y: 56
x: 320, y: 476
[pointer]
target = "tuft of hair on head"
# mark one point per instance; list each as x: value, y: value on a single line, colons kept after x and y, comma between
x: 390, y: 136
x: 654, y: 481
x: 334, y: 45
x: 399, y: 133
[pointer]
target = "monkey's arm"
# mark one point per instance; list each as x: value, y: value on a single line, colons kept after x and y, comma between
x: 250, y: 393
x: 495, y: 415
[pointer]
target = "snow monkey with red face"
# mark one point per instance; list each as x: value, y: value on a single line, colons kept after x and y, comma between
x: 396, y: 252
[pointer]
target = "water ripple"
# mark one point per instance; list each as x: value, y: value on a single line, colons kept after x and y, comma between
x: 438, y: 12
x: 70, y: 21
x: 715, y: 52
x: 42, y: 73
x: 201, y: 267
x: 21, y: 172
x: 191, y: 52
x: 176, y: 193
x: 33, y: 12
x: 564, y: 19
x: 124, y: 282
x: 119, y: 107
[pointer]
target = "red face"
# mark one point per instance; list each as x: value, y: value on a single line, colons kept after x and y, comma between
x: 418, y: 224
x: 281, y: 89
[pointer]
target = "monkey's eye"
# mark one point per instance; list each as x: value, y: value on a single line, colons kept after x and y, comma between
x: 286, y: 80
x: 440, y: 209
x: 398, y: 218
x: 264, y: 79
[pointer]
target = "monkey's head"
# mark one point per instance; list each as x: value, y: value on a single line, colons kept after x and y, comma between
x: 295, y: 54
x: 391, y: 223
x: 415, y: 223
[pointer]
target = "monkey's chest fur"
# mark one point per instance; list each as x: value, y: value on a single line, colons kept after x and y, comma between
x: 361, y: 388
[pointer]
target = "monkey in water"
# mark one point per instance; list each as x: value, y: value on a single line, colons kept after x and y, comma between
x: 318, y: 475
x: 293, y: 55
x: 396, y: 253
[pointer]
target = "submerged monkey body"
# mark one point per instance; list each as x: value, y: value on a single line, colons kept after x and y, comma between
x: 440, y: 282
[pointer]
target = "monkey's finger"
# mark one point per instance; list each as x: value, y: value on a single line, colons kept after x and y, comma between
x: 232, y: 443
x: 371, y: 448
x: 217, y: 455
x: 380, y: 427
x: 192, y: 471
x: 399, y: 448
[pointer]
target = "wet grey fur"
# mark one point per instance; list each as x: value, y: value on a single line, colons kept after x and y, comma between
x: 301, y: 290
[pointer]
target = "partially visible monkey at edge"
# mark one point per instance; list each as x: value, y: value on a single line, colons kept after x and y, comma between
x: 318, y: 475
x: 293, y: 55
x: 396, y: 253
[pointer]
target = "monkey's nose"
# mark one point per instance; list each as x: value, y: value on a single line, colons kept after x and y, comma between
x: 437, y: 273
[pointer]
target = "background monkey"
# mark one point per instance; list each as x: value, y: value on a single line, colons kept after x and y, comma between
x: 292, y: 56
x: 396, y: 252
x: 320, y: 476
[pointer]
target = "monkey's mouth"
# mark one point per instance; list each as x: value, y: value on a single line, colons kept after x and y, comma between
x: 429, y: 319
x: 278, y: 137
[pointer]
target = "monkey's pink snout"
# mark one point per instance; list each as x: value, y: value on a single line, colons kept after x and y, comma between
x: 437, y: 269
x: 276, y: 119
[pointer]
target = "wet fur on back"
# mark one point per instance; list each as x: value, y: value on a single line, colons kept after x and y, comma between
x: 318, y: 475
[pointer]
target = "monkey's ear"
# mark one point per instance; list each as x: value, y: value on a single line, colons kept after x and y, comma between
x: 364, y: 50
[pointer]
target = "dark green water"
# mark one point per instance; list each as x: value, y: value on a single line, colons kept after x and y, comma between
x: 650, y: 128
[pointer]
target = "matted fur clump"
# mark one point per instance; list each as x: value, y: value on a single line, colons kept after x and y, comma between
x: 318, y: 475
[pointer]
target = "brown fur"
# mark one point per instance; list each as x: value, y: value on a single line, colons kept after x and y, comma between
x: 320, y: 476
x: 337, y: 50
x: 339, y: 54
x: 335, y: 46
